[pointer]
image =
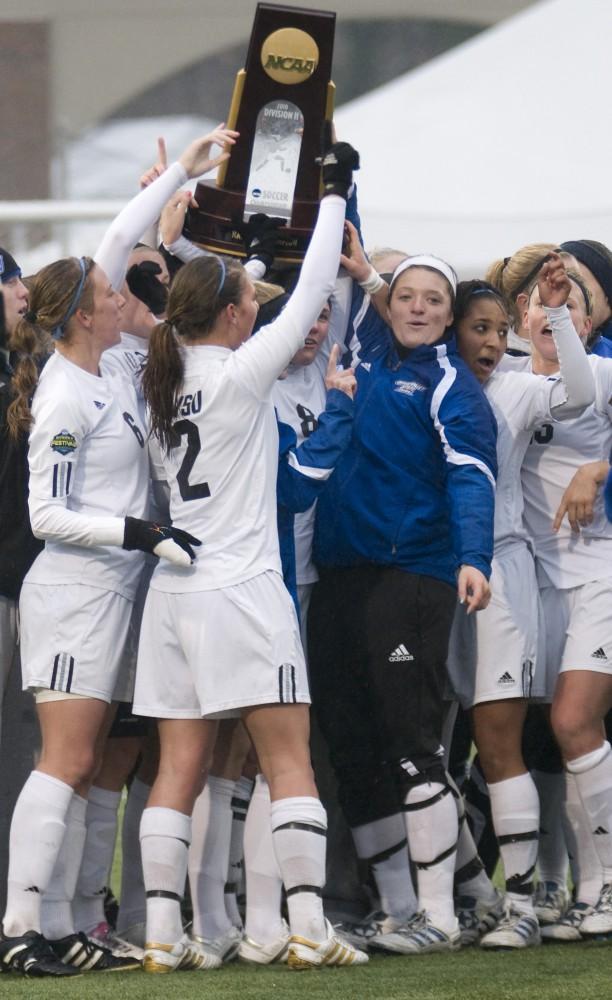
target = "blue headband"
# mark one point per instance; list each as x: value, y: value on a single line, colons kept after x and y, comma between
x: 223, y: 272
x: 58, y: 331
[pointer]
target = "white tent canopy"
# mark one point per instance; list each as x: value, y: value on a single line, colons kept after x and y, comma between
x: 503, y: 141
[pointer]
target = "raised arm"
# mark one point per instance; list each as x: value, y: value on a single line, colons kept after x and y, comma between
x: 259, y: 362
x: 125, y: 230
x: 569, y: 396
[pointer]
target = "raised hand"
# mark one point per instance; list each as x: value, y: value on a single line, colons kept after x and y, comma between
x: 353, y: 259
x: 554, y: 285
x: 259, y: 236
x: 338, y: 161
x: 197, y: 160
x: 173, y: 216
x: 158, y: 168
x: 339, y: 378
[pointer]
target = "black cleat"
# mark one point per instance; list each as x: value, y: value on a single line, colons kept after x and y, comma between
x: 32, y: 956
x: 77, y: 951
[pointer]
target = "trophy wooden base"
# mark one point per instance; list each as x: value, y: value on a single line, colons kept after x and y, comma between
x: 213, y: 224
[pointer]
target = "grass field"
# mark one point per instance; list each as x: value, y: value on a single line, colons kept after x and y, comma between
x: 552, y: 972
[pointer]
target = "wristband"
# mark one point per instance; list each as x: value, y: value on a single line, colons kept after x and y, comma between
x: 373, y: 283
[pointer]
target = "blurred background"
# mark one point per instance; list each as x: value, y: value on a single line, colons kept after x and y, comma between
x: 479, y: 122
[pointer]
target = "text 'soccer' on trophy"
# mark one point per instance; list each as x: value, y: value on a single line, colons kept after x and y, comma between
x: 280, y: 101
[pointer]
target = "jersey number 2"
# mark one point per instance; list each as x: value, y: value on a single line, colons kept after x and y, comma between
x: 197, y: 491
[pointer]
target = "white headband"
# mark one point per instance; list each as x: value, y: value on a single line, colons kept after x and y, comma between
x: 426, y: 260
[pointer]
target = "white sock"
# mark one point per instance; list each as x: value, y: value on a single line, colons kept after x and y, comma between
x: 94, y: 876
x: 264, y: 884
x: 211, y: 828
x: 432, y: 826
x: 233, y: 887
x: 384, y: 845
x: 299, y: 835
x: 587, y: 873
x: 164, y: 839
x: 593, y: 775
x: 37, y: 831
x: 56, y: 917
x: 552, y: 850
x: 132, y: 903
x: 471, y: 878
x: 515, y: 809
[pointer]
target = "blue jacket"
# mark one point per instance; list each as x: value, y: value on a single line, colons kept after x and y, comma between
x: 415, y: 488
x: 603, y: 345
x: 304, y: 471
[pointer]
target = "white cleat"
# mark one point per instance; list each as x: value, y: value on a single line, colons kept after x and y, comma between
x: 225, y: 947
x: 570, y: 926
x: 419, y: 937
x: 598, y: 923
x: 368, y: 933
x: 104, y: 934
x: 265, y: 954
x: 515, y: 930
x: 305, y: 954
x: 185, y: 954
x: 550, y: 903
x: 477, y: 917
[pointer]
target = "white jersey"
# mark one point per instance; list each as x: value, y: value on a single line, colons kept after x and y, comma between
x: 222, y: 473
x: 569, y: 559
x: 300, y: 399
x: 520, y: 401
x: 128, y: 359
x: 88, y: 471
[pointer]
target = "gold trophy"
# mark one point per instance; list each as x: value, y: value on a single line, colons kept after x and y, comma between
x: 280, y: 101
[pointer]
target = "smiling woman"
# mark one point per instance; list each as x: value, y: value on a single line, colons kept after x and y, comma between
x: 404, y: 527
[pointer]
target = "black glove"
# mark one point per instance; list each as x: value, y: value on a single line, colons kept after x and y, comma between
x: 259, y: 236
x: 143, y: 283
x: 162, y: 540
x: 337, y: 160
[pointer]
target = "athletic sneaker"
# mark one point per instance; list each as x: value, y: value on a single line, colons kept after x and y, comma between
x: 515, y: 930
x: 570, y: 926
x: 599, y: 922
x: 265, y: 954
x: 105, y: 935
x: 476, y: 917
x: 185, y: 954
x: 89, y: 956
x: 367, y: 933
x: 418, y: 936
x: 32, y: 956
x: 305, y: 954
x: 225, y: 947
x: 550, y: 902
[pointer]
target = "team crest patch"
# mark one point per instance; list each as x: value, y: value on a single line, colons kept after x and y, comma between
x: 408, y: 388
x: 64, y: 442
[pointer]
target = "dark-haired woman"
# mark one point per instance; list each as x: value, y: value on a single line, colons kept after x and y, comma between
x: 405, y: 526
x: 88, y: 498
x: 496, y: 662
x: 221, y: 637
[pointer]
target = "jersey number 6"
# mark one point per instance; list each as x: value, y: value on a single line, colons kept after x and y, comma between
x: 199, y: 491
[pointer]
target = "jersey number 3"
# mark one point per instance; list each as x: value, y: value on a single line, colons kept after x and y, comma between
x: 189, y: 491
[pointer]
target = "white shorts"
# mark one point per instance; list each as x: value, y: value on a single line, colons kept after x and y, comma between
x: 578, y: 629
x: 72, y: 638
x: 209, y: 654
x: 498, y: 653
